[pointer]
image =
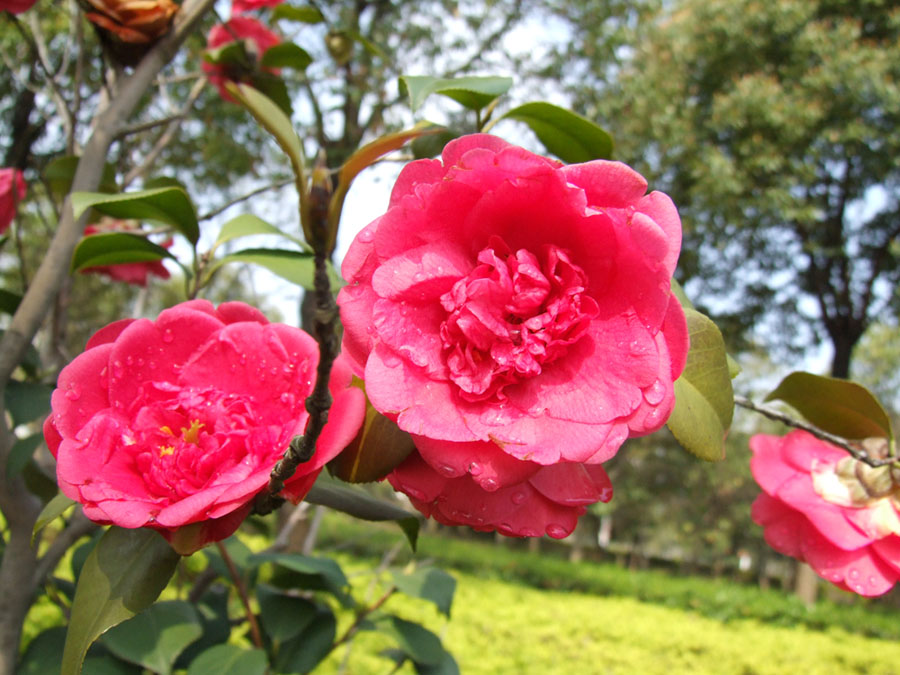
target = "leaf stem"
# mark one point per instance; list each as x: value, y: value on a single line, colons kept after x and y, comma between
x: 242, y: 592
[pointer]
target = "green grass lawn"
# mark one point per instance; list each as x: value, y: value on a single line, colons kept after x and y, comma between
x: 516, y: 612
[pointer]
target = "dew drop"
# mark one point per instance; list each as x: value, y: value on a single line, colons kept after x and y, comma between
x: 232, y: 368
x: 655, y: 393
x: 505, y: 528
x: 242, y: 359
x: 489, y: 484
x: 447, y: 470
x: 129, y: 361
x: 412, y: 492
x: 366, y: 236
x: 73, y: 394
x: 476, y: 469
x: 287, y: 399
x: 168, y: 336
x: 557, y: 531
x: 518, y: 497
x: 854, y: 574
x: 873, y: 581
x: 118, y: 370
x: 391, y: 360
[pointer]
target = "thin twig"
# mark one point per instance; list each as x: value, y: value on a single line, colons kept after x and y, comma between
x: 360, y: 617
x: 265, y: 188
x: 239, y: 584
x: 855, y: 449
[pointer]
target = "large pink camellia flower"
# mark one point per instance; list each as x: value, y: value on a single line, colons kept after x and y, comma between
x: 175, y: 424
x: 257, y: 38
x: 12, y: 191
x: 515, y: 316
x: 135, y: 273
x: 242, y: 6
x: 828, y: 509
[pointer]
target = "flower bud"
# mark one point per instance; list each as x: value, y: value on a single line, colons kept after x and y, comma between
x: 379, y: 446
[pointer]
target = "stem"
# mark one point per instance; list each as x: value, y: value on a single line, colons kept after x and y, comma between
x: 239, y: 584
x: 360, y: 617
x: 855, y: 449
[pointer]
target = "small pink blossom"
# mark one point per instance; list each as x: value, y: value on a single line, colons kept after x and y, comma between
x: 257, y: 38
x: 16, y: 6
x: 814, y: 508
x: 175, y: 424
x: 131, y: 273
x: 519, y: 308
x: 12, y: 192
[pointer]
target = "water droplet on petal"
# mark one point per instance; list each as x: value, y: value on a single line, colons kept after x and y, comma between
x: 366, y: 236
x: 475, y: 469
x: 489, y: 485
x: 518, y: 497
x: 129, y: 361
x: 168, y: 336
x: 873, y: 581
x: 412, y: 492
x: 447, y: 470
x: 118, y: 370
x: 655, y: 393
x: 853, y: 575
x: 391, y: 360
x: 287, y: 399
x: 242, y: 359
x: 73, y: 394
x: 557, y: 531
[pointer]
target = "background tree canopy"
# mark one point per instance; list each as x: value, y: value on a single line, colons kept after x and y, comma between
x: 773, y: 127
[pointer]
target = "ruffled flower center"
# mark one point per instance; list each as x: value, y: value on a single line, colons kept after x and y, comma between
x: 182, y: 443
x: 850, y: 483
x: 511, y: 315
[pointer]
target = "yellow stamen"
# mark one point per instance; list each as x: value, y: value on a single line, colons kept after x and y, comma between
x: 166, y: 450
x: 192, y: 435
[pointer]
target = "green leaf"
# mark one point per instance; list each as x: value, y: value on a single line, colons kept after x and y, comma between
x: 21, y: 453
x: 302, y: 14
x: 570, y: 137
x: 115, y: 248
x: 417, y: 642
x: 9, y: 302
x: 360, y: 504
x: 230, y: 54
x: 432, y: 145
x: 27, y: 401
x: 286, y: 55
x: 320, y: 573
x: 367, y: 44
x: 155, y: 637
x: 123, y: 575
x: 60, y: 173
x: 473, y: 93
x: 230, y: 660
x: 837, y: 406
x: 304, y: 652
x: 165, y: 205
x: 446, y: 666
x: 283, y: 616
x: 247, y: 224
x: 51, y: 511
x: 297, y: 267
x: 273, y: 87
x: 704, y: 399
x: 428, y: 583
x: 44, y: 653
x: 274, y: 120
x: 109, y: 665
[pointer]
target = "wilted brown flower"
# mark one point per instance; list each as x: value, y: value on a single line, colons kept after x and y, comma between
x: 129, y: 27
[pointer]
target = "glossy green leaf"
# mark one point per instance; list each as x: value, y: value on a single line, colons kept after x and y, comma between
x: 27, y: 401
x: 9, y: 302
x: 246, y: 225
x: 360, y: 504
x: 286, y: 55
x: 60, y: 173
x: 22, y: 451
x: 213, y: 611
x: 294, y: 266
x: 274, y: 88
x: 51, y: 511
x: 123, y: 575
x: 155, y: 637
x: 165, y: 205
x: 417, y: 642
x: 115, y: 248
x: 837, y: 406
x: 570, y: 137
x: 110, y: 665
x: 303, y: 653
x: 428, y: 583
x: 230, y: 659
x: 302, y: 14
x: 704, y: 399
x: 432, y: 145
x: 446, y: 666
x: 230, y: 54
x: 274, y: 120
x: 283, y: 616
x: 473, y: 93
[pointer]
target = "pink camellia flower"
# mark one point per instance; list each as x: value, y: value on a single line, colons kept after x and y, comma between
x: 131, y: 273
x: 175, y: 424
x: 514, y: 314
x: 242, y: 6
x: 12, y: 192
x: 828, y: 509
x: 16, y: 6
x: 257, y: 39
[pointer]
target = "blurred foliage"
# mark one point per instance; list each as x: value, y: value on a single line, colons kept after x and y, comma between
x: 773, y: 127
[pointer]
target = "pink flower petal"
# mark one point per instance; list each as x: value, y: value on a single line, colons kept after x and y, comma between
x: 607, y: 184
